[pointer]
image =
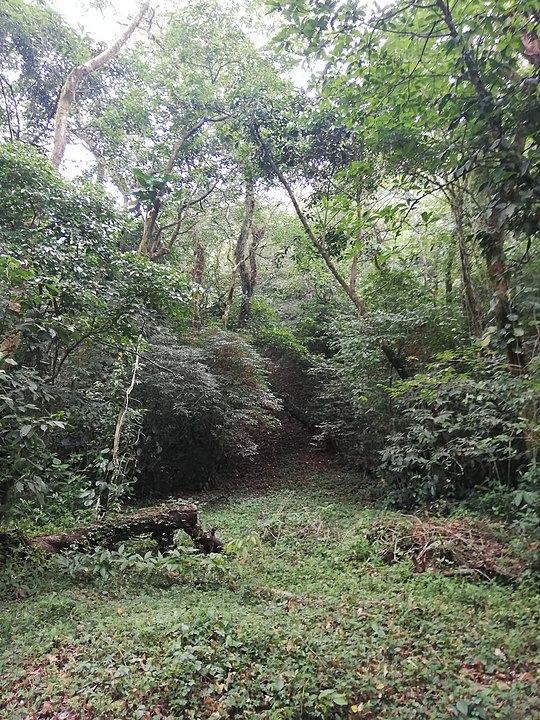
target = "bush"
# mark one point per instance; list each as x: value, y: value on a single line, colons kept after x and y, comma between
x: 26, y: 427
x: 72, y: 306
x: 345, y: 421
x: 465, y: 425
x: 204, y: 407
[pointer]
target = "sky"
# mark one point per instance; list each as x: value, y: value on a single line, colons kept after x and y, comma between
x: 103, y: 25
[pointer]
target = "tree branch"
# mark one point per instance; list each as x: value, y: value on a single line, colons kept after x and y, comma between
x: 74, y: 79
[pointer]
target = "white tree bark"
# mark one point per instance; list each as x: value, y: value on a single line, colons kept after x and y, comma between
x: 74, y: 79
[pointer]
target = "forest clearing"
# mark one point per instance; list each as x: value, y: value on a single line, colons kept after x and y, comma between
x: 307, y: 618
x: 269, y: 360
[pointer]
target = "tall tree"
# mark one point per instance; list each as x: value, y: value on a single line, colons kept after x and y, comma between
x: 464, y: 66
x: 77, y: 75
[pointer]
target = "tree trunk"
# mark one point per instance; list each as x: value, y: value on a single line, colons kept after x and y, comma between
x: 229, y: 300
x: 240, y: 251
x: 248, y: 276
x: 426, y: 270
x: 499, y: 275
x: 317, y: 242
x: 116, y: 459
x: 448, y: 274
x: 148, y: 228
x: 245, y: 261
x: 199, y: 260
x: 74, y: 79
x: 151, y: 245
x: 494, y: 245
x: 160, y: 523
x: 469, y: 294
x: 354, y: 271
x: 395, y: 361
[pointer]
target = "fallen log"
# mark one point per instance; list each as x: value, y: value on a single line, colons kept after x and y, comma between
x: 161, y: 523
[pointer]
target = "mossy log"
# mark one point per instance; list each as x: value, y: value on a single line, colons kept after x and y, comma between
x: 161, y: 523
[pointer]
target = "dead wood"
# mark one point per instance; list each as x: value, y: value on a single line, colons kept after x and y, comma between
x: 451, y: 547
x: 161, y: 523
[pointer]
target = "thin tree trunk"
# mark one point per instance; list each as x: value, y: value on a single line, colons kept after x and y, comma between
x: 116, y: 463
x: 74, y: 79
x: 469, y: 294
x: 426, y: 271
x: 229, y: 299
x: 199, y: 260
x: 395, y: 361
x: 354, y: 271
x: 148, y: 228
x: 150, y: 245
x: 248, y: 276
x: 240, y: 251
x: 317, y: 242
x: 448, y: 268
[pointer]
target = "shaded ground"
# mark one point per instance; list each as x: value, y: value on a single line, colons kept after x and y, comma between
x: 289, y: 449
x: 310, y: 625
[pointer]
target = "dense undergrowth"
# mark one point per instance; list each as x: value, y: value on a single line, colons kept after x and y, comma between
x: 310, y: 623
x: 169, y: 325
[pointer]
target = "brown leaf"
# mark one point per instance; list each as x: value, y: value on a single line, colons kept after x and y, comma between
x: 47, y: 708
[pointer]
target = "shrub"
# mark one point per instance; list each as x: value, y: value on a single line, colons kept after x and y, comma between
x: 71, y: 308
x: 25, y: 430
x: 204, y: 406
x: 465, y: 425
x: 345, y: 421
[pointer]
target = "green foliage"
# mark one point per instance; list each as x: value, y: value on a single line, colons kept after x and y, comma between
x: 151, y: 189
x: 72, y: 307
x: 270, y: 335
x: 26, y: 433
x: 280, y: 341
x: 520, y: 505
x: 345, y: 420
x: 37, y: 51
x: 204, y: 405
x: 353, y: 410
x: 466, y: 424
x: 345, y: 628
x: 184, y: 562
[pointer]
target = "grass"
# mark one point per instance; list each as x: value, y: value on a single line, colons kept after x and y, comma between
x: 311, y: 624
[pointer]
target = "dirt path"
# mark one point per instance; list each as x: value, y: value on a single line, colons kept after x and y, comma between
x: 283, y: 453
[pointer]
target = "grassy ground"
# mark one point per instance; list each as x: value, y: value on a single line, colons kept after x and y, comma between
x: 311, y: 624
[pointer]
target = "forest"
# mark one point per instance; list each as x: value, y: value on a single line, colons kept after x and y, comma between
x: 269, y: 359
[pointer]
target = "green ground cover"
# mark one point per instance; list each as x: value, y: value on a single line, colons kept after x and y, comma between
x: 308, y: 624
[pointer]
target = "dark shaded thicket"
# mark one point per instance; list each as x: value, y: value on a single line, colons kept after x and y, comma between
x: 204, y: 405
